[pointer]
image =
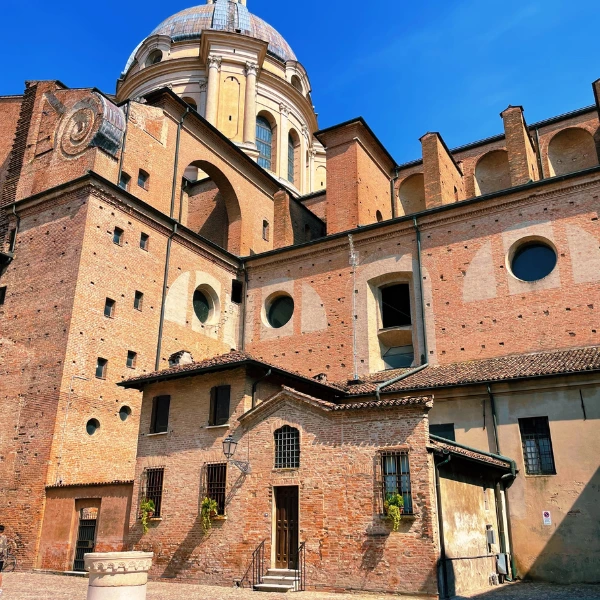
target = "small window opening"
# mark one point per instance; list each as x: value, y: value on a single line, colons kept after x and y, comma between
x: 219, y: 405
x: 144, y: 241
x: 537, y: 446
x: 455, y: 194
x: 2, y: 295
x: 154, y: 58
x: 237, y: 289
x: 287, y: 448
x: 124, y: 181
x: 101, y: 365
x: 12, y: 236
x: 92, y: 426
x: 138, y: 300
x: 118, y: 236
x: 378, y: 216
x: 265, y: 230
x: 109, y: 308
x: 143, y: 179
x: 124, y: 413
x: 395, y: 305
x: 153, y: 488
x: 131, y: 359
x: 216, y: 484
x: 159, y: 421
x: 443, y: 430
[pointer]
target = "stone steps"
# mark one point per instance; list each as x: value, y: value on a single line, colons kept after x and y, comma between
x: 278, y: 580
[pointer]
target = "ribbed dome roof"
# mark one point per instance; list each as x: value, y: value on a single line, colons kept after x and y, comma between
x: 223, y: 15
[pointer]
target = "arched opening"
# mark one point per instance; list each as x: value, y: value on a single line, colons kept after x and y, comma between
x: 297, y: 83
x: 154, y: 57
x: 378, y: 216
x: 492, y: 173
x: 571, y: 150
x: 191, y: 102
x: 209, y: 205
x: 320, y: 178
x: 293, y: 166
x: 266, y: 141
x: 412, y: 194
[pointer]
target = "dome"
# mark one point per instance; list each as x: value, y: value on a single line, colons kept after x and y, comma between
x: 223, y: 15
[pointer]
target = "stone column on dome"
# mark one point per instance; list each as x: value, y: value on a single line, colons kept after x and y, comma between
x: 305, y: 160
x: 212, y: 93
x: 250, y: 104
x: 311, y: 169
x: 202, y: 100
x: 284, y: 112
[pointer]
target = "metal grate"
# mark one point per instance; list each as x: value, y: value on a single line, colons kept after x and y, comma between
x: 395, y: 470
x: 216, y: 484
x: 287, y: 448
x: 537, y: 446
x: 153, y: 488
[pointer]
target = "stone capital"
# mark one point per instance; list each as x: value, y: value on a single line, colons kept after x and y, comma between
x: 251, y: 68
x: 305, y: 131
x: 284, y: 109
x: 214, y: 62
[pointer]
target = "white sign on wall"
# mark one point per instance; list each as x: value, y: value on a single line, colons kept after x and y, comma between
x: 546, y: 517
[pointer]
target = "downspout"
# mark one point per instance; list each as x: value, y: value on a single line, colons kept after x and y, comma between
x: 353, y: 263
x: 392, y: 191
x: 164, y: 296
x: 122, y: 157
x: 176, y: 162
x: 494, y: 418
x: 255, y: 385
x: 244, y: 305
x: 438, y: 495
x: 384, y: 384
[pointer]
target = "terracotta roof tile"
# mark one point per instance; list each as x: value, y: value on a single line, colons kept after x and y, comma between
x: 448, y: 446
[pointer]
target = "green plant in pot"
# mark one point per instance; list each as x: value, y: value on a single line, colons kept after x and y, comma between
x: 146, y: 512
x: 208, y: 509
x: 394, y: 506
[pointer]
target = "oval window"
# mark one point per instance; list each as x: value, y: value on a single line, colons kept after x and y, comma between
x: 280, y: 311
x: 201, y: 306
x: 92, y: 426
x: 124, y: 413
x: 533, y: 261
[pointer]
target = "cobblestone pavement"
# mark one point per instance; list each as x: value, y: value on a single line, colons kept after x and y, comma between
x: 36, y: 586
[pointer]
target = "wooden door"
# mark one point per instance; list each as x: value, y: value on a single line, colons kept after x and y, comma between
x: 286, y: 527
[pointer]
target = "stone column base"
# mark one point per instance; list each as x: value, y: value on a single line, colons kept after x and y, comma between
x: 118, y: 575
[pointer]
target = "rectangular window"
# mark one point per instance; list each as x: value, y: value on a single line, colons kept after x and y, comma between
x: 395, y: 470
x: 153, y: 488
x: 266, y: 230
x: 219, y: 405
x: 124, y: 181
x: 131, y: 359
x: 216, y: 484
x: 2, y: 295
x: 159, y: 423
x: 443, y: 430
x: 144, y: 241
x: 138, y: 300
x: 118, y: 236
x: 109, y: 308
x: 537, y: 446
x: 237, y: 288
x: 101, y: 365
x: 143, y: 179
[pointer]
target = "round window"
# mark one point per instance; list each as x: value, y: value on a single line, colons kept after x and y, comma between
x: 533, y: 261
x: 124, y: 413
x: 92, y: 426
x: 202, y: 306
x: 280, y: 311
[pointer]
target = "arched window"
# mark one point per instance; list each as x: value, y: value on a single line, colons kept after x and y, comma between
x: 571, y: 150
x: 291, y: 157
x: 287, y: 448
x: 154, y: 58
x: 264, y: 142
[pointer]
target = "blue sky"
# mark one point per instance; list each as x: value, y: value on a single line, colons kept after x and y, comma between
x: 406, y: 67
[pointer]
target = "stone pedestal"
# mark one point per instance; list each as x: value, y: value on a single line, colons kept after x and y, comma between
x: 118, y: 575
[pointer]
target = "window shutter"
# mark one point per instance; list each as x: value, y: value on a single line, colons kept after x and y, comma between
x: 161, y: 414
x: 222, y: 404
x: 213, y: 402
x: 153, y: 417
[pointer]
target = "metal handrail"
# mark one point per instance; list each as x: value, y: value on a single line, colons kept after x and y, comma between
x: 256, y: 569
x: 301, y: 567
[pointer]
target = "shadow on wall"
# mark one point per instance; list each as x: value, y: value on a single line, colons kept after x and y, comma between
x: 572, y: 554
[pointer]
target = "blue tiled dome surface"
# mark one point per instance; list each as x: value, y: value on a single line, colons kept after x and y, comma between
x: 221, y: 16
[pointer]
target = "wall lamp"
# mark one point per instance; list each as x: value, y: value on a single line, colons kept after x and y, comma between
x: 229, y: 448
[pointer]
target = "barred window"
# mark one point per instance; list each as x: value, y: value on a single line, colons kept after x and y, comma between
x: 216, y: 484
x: 287, y: 448
x: 395, y: 470
x: 153, y: 487
x: 537, y: 446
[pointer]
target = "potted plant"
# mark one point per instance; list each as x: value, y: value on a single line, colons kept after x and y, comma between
x: 146, y: 512
x: 394, y: 507
x: 208, y: 509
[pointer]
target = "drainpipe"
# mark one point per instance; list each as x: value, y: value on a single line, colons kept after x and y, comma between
x: 438, y: 495
x: 127, y: 109
x: 255, y: 385
x: 164, y: 296
x: 494, y: 418
x: 244, y: 305
x: 184, y: 187
x: 392, y: 189
x: 176, y: 162
x: 353, y: 263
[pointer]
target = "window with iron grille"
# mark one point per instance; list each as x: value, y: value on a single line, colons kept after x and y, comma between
x: 264, y: 142
x: 153, y: 487
x: 216, y: 484
x: 159, y: 422
x: 537, y: 446
x: 219, y: 405
x: 287, y: 448
x: 395, y: 471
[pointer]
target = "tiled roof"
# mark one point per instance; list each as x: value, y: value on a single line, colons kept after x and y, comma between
x: 473, y: 454
x: 504, y: 368
x: 69, y: 485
